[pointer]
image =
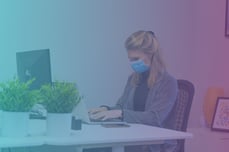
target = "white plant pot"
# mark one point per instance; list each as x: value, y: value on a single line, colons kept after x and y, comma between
x: 37, y: 127
x: 59, y: 124
x: 0, y: 121
x: 15, y: 124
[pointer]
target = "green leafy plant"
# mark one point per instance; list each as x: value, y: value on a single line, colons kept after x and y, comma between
x: 61, y: 97
x: 16, y: 96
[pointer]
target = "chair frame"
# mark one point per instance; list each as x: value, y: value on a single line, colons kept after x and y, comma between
x: 188, y: 87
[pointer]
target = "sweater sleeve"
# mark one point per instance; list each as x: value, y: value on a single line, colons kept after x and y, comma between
x: 159, y: 106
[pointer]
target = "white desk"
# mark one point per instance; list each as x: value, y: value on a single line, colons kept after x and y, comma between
x: 98, y: 136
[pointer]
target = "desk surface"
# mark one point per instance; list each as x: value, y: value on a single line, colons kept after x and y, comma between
x: 96, y: 135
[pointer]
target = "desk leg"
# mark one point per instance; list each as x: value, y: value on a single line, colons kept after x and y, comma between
x: 118, y: 149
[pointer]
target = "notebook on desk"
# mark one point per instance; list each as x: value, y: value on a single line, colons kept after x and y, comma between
x: 81, y: 112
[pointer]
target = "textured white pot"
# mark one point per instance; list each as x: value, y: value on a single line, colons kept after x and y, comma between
x: 0, y: 121
x: 59, y: 124
x: 15, y: 124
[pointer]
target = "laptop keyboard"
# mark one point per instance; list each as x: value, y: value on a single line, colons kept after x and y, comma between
x: 107, y: 120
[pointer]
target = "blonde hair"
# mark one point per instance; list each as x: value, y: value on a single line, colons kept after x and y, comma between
x: 147, y: 42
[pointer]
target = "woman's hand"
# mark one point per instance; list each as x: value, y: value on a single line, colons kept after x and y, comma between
x: 96, y: 110
x: 104, y: 115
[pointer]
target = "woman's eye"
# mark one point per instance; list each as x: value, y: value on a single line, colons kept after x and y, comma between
x: 134, y: 59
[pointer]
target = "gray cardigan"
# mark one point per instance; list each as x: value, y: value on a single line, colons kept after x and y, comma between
x: 159, y: 103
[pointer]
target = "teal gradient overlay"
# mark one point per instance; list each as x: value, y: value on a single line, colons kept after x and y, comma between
x: 86, y: 39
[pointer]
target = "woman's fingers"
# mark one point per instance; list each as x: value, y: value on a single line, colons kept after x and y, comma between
x: 104, y: 115
x: 98, y: 115
x: 96, y: 110
x: 92, y: 111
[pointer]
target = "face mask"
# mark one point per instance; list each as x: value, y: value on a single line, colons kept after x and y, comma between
x: 139, y: 66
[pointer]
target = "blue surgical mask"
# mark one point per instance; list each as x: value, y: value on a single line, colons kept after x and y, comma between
x: 139, y: 66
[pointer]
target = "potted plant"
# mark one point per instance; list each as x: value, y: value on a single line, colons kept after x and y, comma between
x: 16, y: 100
x: 59, y: 100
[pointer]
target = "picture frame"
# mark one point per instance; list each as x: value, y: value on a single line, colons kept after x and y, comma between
x: 220, y: 120
x: 227, y: 19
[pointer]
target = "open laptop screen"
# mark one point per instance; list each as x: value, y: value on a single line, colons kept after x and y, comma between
x: 34, y: 64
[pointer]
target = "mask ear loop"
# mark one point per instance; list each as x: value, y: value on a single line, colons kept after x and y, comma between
x: 151, y: 59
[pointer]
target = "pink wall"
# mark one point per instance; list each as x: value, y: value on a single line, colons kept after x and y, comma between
x: 210, y: 52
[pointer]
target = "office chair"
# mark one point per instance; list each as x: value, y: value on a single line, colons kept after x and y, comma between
x: 178, y: 117
x: 182, y: 109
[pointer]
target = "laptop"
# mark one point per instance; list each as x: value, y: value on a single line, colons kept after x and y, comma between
x: 81, y: 112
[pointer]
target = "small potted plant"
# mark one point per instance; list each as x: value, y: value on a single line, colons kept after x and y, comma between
x: 59, y: 100
x: 16, y: 101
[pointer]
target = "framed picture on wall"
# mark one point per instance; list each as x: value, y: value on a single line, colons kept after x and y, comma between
x: 227, y: 20
x: 221, y: 116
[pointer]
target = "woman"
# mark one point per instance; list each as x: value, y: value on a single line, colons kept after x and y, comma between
x: 150, y: 92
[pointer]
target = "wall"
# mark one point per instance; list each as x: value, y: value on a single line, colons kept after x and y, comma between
x: 86, y: 39
x: 210, y: 53
x: 86, y: 42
